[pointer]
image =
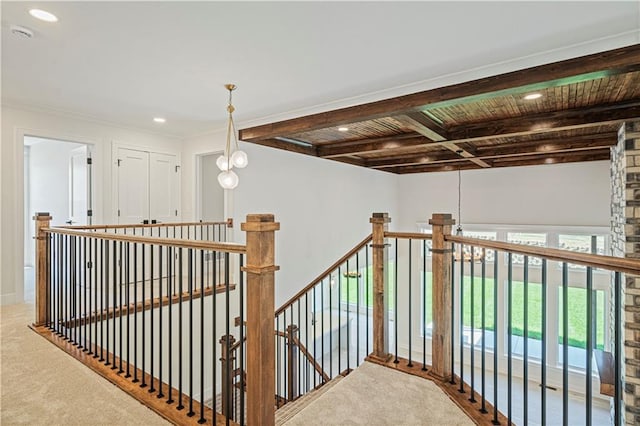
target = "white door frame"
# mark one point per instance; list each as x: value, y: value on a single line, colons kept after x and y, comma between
x: 18, y: 202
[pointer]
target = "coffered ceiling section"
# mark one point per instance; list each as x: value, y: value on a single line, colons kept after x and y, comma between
x: 561, y: 112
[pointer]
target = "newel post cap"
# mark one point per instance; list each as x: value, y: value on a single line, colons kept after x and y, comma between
x: 42, y: 216
x: 441, y: 219
x: 380, y: 218
x: 260, y: 222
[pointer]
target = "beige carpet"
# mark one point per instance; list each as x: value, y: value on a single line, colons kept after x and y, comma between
x: 376, y: 395
x: 40, y: 384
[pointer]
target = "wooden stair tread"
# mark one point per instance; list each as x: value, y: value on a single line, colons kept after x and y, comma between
x: 606, y: 371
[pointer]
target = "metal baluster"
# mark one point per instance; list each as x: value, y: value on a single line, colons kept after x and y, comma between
x: 453, y: 322
x: 330, y: 330
x: 120, y: 305
x: 190, y: 277
x: 160, y: 328
x: 409, y: 364
x: 472, y: 263
x: 565, y: 344
x: 314, y: 320
x: 170, y: 260
x: 424, y: 305
x: 322, y: 327
x: 340, y: 319
x: 278, y: 363
x: 590, y: 342
x: 306, y: 338
x: 128, y: 300
x: 180, y: 295
x: 495, y: 338
x: 395, y: 302
x: 135, y: 315
x: 348, y: 325
x: 461, y: 389
x: 358, y: 275
x: 509, y: 332
x: 104, y: 291
x: 151, y: 261
x: 202, y: 279
x: 144, y: 316
x: 525, y: 363
x: 95, y: 296
x: 543, y: 361
x: 483, y: 407
x: 242, y: 367
x: 366, y: 292
x: 228, y: 377
x: 84, y: 292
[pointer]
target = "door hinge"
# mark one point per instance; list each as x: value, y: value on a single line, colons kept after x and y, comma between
x: 119, y: 161
x: 176, y: 212
x: 89, y: 265
x: 89, y: 161
x: 177, y: 168
x: 118, y: 212
x: 89, y: 212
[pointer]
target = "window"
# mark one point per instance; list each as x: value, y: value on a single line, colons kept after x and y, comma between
x: 530, y: 239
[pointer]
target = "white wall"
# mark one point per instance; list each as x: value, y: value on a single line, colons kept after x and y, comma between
x: 323, y: 206
x: 559, y: 194
x: 17, y: 122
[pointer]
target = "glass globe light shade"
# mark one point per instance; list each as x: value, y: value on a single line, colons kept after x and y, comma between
x: 223, y: 164
x: 228, y: 179
x: 239, y: 159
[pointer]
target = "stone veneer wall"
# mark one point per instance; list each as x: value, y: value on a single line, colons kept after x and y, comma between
x: 625, y: 242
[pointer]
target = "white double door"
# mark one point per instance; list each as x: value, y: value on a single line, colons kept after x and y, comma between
x: 148, y: 187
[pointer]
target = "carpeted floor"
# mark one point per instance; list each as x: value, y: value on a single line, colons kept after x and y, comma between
x: 40, y: 384
x: 376, y: 395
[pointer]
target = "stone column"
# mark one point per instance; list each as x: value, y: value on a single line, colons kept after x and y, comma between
x: 625, y: 242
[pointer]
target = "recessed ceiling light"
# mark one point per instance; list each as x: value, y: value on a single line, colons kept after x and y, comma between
x: 159, y: 120
x: 43, y: 15
x: 532, y: 96
x: 343, y: 129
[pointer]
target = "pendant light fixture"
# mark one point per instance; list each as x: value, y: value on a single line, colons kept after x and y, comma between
x: 233, y: 156
x: 477, y: 255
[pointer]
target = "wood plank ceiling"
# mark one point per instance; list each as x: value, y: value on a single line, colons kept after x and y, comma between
x: 478, y: 124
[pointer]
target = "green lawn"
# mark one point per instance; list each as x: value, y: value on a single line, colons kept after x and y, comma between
x: 576, y: 306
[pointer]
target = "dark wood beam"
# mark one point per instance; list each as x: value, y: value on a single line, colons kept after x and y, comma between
x: 513, y: 151
x: 513, y: 127
x: 288, y: 146
x: 553, y: 158
x: 420, y: 123
x: 598, y: 65
x: 547, y: 122
x: 490, y: 152
x: 361, y: 146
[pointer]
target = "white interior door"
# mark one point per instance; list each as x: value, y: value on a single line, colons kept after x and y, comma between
x: 133, y: 186
x: 79, y: 186
x: 163, y: 187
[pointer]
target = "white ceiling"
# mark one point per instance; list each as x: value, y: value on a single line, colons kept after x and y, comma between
x: 126, y: 62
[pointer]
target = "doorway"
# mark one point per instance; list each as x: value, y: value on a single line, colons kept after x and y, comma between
x: 211, y: 196
x: 57, y: 179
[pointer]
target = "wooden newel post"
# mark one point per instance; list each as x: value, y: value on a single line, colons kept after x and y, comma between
x: 292, y: 362
x: 441, y: 253
x: 261, y: 362
x: 380, y: 224
x: 226, y: 342
x: 42, y: 220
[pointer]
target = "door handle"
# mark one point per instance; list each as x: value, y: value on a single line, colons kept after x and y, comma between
x: 70, y: 222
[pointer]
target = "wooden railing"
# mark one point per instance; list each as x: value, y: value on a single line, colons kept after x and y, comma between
x: 146, y: 311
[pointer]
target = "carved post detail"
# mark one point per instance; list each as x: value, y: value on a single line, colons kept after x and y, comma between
x: 43, y: 220
x: 226, y: 342
x: 441, y: 254
x: 261, y: 362
x: 380, y: 224
x: 292, y: 362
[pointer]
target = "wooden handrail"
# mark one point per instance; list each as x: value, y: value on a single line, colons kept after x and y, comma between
x: 630, y: 266
x: 408, y: 235
x: 228, y: 223
x: 171, y: 242
x: 311, y: 359
x: 324, y: 274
